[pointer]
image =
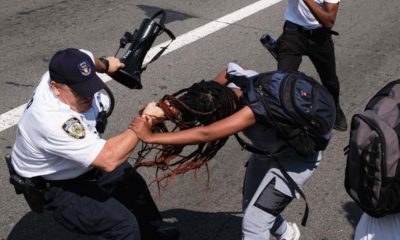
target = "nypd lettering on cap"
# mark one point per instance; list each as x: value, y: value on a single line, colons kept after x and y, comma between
x: 84, y: 68
x: 74, y: 128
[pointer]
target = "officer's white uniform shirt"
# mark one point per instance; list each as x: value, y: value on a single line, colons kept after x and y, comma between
x: 54, y: 141
x: 298, y: 12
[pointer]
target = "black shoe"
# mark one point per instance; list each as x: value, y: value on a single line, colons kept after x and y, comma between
x: 168, y: 233
x: 340, y: 122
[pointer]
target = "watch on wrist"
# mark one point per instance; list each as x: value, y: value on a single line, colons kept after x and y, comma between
x: 106, y: 63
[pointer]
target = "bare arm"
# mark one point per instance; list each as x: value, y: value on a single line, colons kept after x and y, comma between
x: 116, y: 150
x: 327, y: 15
x: 221, y: 79
x: 222, y: 128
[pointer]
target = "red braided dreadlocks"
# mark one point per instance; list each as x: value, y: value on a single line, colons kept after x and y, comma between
x: 201, y: 104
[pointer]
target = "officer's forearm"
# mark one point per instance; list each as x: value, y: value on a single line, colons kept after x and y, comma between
x: 100, y: 65
x: 116, y: 150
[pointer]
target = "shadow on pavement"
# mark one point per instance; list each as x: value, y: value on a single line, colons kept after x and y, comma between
x: 171, y: 15
x: 205, y: 225
x: 37, y: 226
x: 353, y: 213
x: 193, y: 225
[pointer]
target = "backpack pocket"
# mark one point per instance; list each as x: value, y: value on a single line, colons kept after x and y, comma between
x: 311, y: 108
x: 312, y: 104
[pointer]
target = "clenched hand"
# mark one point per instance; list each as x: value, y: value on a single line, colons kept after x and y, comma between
x: 142, y: 127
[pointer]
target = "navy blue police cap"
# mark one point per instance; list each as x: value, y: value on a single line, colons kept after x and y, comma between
x: 75, y: 69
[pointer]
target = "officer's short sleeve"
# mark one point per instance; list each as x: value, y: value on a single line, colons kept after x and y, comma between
x: 73, y: 141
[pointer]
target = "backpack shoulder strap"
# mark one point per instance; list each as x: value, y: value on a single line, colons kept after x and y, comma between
x: 249, y: 147
x: 289, y: 76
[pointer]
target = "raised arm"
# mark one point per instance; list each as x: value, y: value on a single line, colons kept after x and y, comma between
x: 327, y: 15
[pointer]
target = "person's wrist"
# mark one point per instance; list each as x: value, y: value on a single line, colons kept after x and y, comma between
x: 144, y: 135
x: 130, y: 129
x: 106, y: 64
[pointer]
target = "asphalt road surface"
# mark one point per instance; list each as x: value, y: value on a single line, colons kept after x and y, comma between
x: 368, y: 56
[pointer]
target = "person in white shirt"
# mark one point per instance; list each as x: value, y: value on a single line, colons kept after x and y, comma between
x: 307, y: 31
x: 370, y: 228
x: 89, y: 185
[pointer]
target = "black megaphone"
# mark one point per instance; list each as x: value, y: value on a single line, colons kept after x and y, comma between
x: 140, y: 43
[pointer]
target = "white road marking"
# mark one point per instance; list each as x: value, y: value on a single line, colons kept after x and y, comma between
x: 11, y: 117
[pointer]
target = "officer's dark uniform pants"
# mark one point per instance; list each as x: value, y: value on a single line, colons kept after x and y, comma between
x: 116, y: 206
x: 318, y: 46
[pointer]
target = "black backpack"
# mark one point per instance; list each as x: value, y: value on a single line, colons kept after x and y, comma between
x: 299, y: 107
x: 372, y: 177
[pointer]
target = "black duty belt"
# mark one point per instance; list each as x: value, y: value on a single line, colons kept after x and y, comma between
x: 34, y: 188
x: 90, y: 176
x: 293, y: 27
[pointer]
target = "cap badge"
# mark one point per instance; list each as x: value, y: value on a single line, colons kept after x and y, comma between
x: 84, y: 68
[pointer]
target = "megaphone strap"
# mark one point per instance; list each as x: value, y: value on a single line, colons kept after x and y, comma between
x: 156, y: 56
x: 162, y: 29
x: 169, y: 32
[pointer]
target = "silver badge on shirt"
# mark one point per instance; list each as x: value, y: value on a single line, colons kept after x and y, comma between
x: 74, y: 128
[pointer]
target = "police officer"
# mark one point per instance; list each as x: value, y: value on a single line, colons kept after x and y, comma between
x: 90, y: 187
x: 307, y: 31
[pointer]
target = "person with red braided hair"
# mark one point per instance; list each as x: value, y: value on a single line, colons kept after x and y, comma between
x: 207, y: 114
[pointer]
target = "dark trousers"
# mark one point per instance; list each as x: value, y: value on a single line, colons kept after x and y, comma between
x: 116, y: 206
x: 318, y: 46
